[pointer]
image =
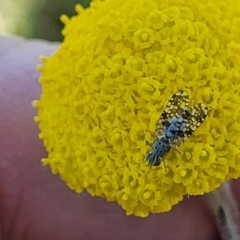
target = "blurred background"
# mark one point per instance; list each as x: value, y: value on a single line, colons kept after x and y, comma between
x: 36, y: 18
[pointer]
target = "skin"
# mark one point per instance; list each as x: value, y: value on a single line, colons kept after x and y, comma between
x: 34, y: 204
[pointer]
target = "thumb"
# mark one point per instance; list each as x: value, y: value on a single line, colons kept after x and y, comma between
x: 35, y: 204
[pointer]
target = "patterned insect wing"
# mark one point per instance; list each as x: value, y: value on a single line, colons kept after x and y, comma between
x: 177, y: 103
x: 197, y: 115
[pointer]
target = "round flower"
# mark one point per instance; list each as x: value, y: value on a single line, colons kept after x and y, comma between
x: 105, y: 88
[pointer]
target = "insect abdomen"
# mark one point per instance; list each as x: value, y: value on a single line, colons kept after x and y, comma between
x: 160, y: 147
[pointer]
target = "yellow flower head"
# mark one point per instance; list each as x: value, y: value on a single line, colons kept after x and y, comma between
x: 104, y: 90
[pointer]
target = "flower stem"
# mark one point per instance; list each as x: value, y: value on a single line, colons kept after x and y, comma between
x: 224, y: 207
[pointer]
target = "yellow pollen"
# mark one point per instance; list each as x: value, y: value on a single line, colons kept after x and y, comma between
x: 191, y: 57
x: 182, y: 26
x: 207, y: 94
x: 124, y: 197
x: 236, y: 78
x: 105, y: 184
x: 144, y: 37
x: 147, y: 195
x: 198, y: 182
x: 183, y: 173
x: 171, y: 64
x: 203, y: 153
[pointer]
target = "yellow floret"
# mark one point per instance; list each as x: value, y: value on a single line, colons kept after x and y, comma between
x: 103, y: 92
